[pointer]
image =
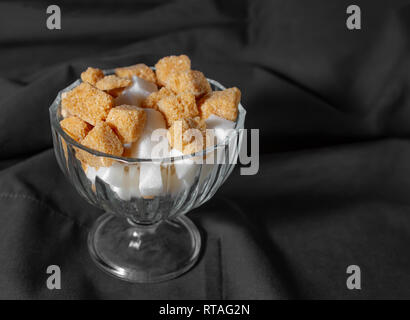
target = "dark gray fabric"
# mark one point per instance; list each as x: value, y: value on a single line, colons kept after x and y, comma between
x: 333, y: 109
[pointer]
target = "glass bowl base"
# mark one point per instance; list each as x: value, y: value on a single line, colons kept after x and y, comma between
x: 144, y: 253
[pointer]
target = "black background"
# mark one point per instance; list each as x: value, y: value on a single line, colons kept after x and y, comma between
x: 333, y: 109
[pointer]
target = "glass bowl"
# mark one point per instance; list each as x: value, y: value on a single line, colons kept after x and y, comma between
x: 145, y: 237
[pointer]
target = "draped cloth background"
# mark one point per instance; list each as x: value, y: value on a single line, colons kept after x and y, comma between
x: 333, y: 109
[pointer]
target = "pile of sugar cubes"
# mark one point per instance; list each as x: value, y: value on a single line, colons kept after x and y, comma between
x: 120, y: 114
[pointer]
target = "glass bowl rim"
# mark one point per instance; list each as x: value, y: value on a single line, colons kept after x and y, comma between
x: 239, y: 124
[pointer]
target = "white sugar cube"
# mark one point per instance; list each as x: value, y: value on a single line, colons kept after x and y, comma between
x: 130, y: 188
x: 224, y: 132
x: 143, y: 148
x: 155, y: 120
x: 176, y: 185
x: 91, y: 173
x: 122, y: 192
x: 136, y: 93
x: 185, y: 168
x: 133, y: 181
x: 222, y: 127
x: 113, y: 175
x: 150, y: 182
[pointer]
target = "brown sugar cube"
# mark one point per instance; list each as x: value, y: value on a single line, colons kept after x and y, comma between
x: 115, y: 92
x: 177, y: 107
x: 127, y: 151
x: 113, y: 85
x: 64, y: 112
x: 92, y: 75
x: 188, y: 135
x: 224, y: 104
x: 127, y: 122
x: 190, y: 80
x: 152, y: 100
x: 140, y: 70
x: 112, y: 82
x: 101, y: 138
x: 88, y: 103
x: 168, y: 65
x: 75, y: 128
